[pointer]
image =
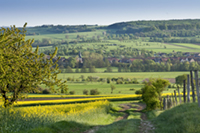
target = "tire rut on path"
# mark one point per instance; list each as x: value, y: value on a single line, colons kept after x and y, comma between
x: 145, y: 125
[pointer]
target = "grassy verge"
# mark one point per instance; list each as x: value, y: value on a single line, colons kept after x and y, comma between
x: 184, y: 118
x: 71, y: 118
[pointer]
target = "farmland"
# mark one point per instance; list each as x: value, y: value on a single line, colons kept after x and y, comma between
x: 104, y: 100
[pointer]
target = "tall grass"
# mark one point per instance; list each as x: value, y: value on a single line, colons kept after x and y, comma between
x: 184, y: 118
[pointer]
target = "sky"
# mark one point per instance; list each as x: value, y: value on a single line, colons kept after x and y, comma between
x: 91, y: 12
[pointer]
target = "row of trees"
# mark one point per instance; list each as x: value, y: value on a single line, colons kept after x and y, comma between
x: 151, y: 66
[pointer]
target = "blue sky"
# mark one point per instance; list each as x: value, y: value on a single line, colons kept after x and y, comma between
x: 101, y: 12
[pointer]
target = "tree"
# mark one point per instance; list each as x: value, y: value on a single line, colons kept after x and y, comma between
x: 83, y: 69
x: 180, y: 78
x: 108, y: 69
x: 69, y: 69
x: 112, y: 87
x: 22, y: 70
x: 152, y: 91
x: 92, y: 69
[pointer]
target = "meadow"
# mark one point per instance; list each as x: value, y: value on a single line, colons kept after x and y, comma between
x: 105, y: 89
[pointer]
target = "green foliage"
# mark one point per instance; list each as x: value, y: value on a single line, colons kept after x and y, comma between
x: 184, y: 118
x: 138, y: 92
x: 112, y: 87
x: 94, y: 92
x: 119, y: 81
x: 72, y: 92
x: 85, y: 92
x: 180, y: 78
x: 46, y: 91
x: 69, y: 69
x: 151, y: 92
x: 108, y: 80
x: 23, y: 70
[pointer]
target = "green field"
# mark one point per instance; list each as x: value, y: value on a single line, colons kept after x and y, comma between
x: 104, y: 88
x: 193, y: 46
x: 138, y: 75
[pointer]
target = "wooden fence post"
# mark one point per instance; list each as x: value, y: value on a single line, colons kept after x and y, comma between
x: 188, y: 88
x: 175, y: 96
x: 192, y: 84
x: 164, y: 103
x: 179, y: 95
x: 197, y: 86
x: 184, y: 91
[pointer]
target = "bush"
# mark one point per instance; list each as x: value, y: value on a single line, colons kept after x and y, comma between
x: 108, y: 80
x: 94, y: 92
x: 135, y: 81
x: 46, y: 91
x: 72, y: 92
x: 85, y: 92
x: 119, y: 81
x: 152, y: 92
x: 69, y: 79
x: 77, y: 80
x: 132, y: 89
x: 138, y: 92
x: 170, y: 86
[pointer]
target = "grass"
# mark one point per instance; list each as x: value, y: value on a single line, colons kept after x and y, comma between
x: 23, y: 119
x: 184, y: 118
x: 124, y: 126
x: 138, y: 75
x: 194, y: 46
x: 72, y: 118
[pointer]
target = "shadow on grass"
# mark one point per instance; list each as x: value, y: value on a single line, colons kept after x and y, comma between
x: 122, y: 126
x: 61, y: 127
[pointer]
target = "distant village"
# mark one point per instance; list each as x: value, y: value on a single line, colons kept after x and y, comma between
x: 161, y: 57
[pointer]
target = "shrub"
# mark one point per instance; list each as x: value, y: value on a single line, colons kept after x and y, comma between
x: 46, y: 91
x: 69, y: 79
x: 94, y: 92
x: 108, y: 80
x: 152, y: 91
x: 85, y: 92
x: 138, y: 92
x: 126, y: 82
x: 132, y: 89
x: 119, y: 81
x: 170, y: 86
x: 135, y: 81
x: 77, y: 80
x: 72, y: 92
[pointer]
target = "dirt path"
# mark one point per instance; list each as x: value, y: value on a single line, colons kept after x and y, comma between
x: 145, y: 125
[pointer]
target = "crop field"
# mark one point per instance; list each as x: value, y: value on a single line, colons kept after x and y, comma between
x: 140, y: 43
x: 24, y: 118
x: 105, y: 89
x: 193, y: 46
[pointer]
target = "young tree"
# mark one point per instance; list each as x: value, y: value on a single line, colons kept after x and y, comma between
x: 22, y: 70
x: 112, y: 87
x: 152, y: 91
x: 180, y: 78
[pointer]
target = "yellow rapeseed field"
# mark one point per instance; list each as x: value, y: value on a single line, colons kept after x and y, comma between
x: 21, y: 118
